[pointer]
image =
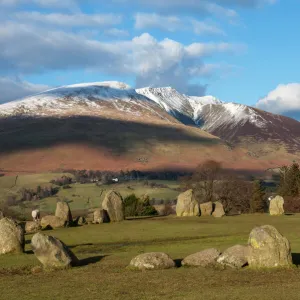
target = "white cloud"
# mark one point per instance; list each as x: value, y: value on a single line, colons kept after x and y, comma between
x: 283, y: 99
x: 12, y: 89
x: 202, y: 28
x: 115, y: 32
x: 69, y: 20
x: 147, y: 20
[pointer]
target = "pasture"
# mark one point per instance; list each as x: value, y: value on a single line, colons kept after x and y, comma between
x: 105, y: 251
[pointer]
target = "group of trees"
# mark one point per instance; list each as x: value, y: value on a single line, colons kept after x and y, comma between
x: 289, y: 187
x: 135, y: 206
x: 38, y: 193
x: 211, y: 182
x: 105, y: 177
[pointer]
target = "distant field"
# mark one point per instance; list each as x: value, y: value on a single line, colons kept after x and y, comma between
x: 108, y: 248
x: 81, y: 196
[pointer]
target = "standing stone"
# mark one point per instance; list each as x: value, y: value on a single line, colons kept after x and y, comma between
x: 234, y: 257
x: 100, y: 216
x: 205, y: 258
x: 11, y: 237
x: 63, y: 212
x: 268, y: 248
x: 52, y: 222
x: 114, y: 206
x: 1, y: 215
x: 186, y: 205
x: 152, y: 260
x: 219, y: 210
x: 32, y: 227
x: 206, y: 208
x: 52, y: 252
x: 276, y: 206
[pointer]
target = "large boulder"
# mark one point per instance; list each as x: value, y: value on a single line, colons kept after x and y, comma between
x: 100, y: 216
x: 268, y: 248
x: 52, y: 252
x: 276, y: 206
x: 152, y: 260
x: 52, y: 222
x: 206, y: 208
x: 32, y: 227
x: 187, y: 206
x: 203, y: 258
x: 234, y: 257
x: 11, y: 237
x: 114, y: 206
x: 219, y: 210
x: 63, y: 212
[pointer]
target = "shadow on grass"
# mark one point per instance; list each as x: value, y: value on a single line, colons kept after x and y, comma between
x: 90, y: 260
x: 178, y: 262
x: 296, y: 258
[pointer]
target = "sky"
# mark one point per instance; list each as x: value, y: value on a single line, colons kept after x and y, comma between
x: 244, y: 51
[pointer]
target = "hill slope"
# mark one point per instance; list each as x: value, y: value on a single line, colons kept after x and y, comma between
x: 110, y: 126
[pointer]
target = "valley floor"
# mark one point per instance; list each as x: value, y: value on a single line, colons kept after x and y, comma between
x: 106, y: 250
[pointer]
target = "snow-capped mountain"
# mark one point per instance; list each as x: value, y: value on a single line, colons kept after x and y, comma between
x: 97, y: 98
x: 229, y: 121
x: 232, y: 122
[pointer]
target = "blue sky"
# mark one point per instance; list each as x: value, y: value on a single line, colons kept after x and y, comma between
x: 244, y: 51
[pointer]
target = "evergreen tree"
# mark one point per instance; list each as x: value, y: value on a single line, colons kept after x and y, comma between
x: 257, y: 202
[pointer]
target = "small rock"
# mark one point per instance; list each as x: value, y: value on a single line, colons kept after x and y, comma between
x: 52, y: 222
x: 32, y: 227
x: 52, y: 252
x: 100, y: 216
x: 268, y: 248
x: 276, y: 206
x: 11, y: 237
x: 206, y: 208
x: 234, y: 257
x: 80, y: 221
x: 219, y: 210
x: 203, y: 258
x: 186, y: 205
x: 152, y: 260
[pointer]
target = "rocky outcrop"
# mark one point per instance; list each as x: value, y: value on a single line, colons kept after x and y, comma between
x: 268, y: 248
x: 114, y: 206
x: 276, y: 206
x: 186, y: 205
x: 234, y: 257
x: 206, y: 209
x: 11, y: 237
x: 205, y: 258
x: 219, y: 210
x: 152, y: 260
x: 52, y: 222
x: 52, y: 252
x: 63, y: 212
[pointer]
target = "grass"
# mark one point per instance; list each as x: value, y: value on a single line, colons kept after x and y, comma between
x: 79, y: 194
x: 107, y: 249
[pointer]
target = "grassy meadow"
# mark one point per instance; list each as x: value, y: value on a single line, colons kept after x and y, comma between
x: 105, y: 251
x: 80, y: 196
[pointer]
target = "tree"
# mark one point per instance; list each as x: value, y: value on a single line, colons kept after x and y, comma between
x: 257, y: 204
x: 289, y: 180
x: 204, y: 179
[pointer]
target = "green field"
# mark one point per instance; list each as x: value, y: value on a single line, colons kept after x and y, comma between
x: 107, y: 249
x: 80, y: 196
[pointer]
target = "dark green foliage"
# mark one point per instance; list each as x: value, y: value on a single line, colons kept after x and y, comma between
x: 257, y: 204
x: 289, y: 180
x: 138, y: 207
